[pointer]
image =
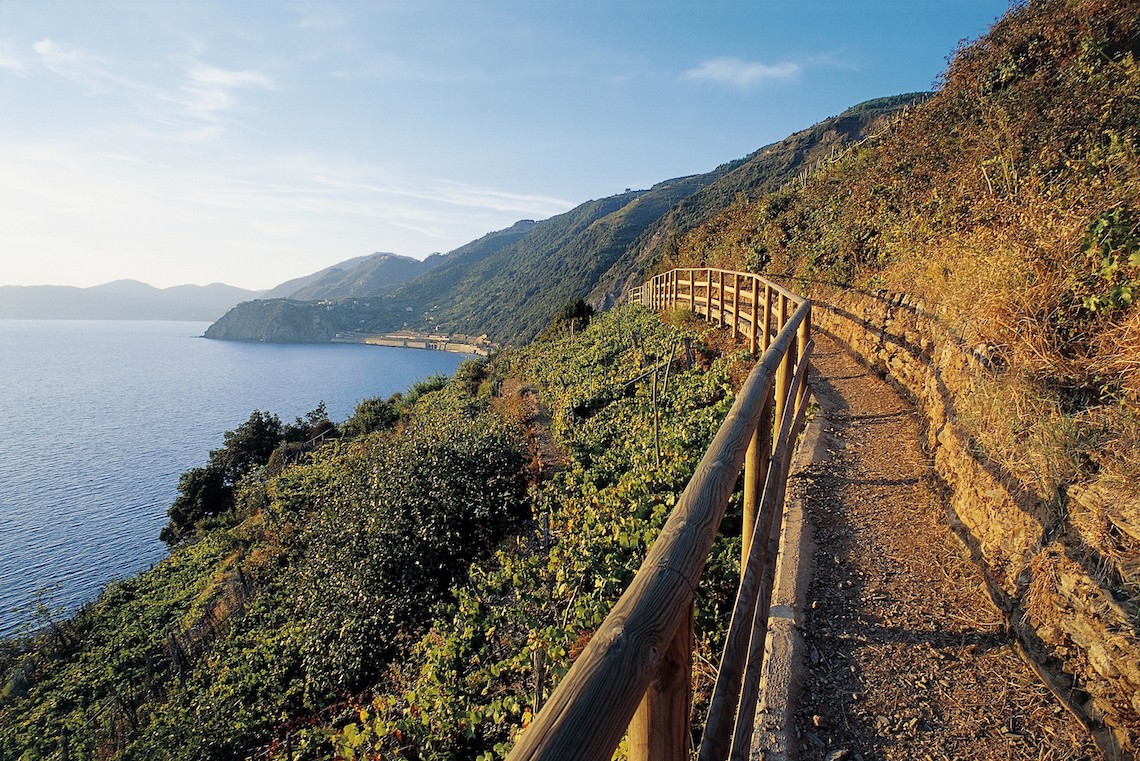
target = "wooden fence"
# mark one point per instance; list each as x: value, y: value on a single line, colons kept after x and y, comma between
x: 635, y: 674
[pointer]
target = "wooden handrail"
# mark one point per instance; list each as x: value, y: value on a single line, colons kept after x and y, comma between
x: 647, y: 637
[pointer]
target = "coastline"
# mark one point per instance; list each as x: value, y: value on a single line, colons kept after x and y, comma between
x: 408, y: 339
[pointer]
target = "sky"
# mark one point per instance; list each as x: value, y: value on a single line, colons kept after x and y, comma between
x: 253, y: 141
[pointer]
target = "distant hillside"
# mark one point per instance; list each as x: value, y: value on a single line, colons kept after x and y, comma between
x: 120, y: 300
x: 370, y: 275
x: 746, y: 180
x: 280, y: 320
x: 509, y: 283
x: 512, y: 292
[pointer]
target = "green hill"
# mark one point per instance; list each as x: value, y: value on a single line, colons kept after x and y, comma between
x: 509, y: 284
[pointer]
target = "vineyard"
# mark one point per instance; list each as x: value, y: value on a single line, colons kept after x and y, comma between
x: 413, y: 590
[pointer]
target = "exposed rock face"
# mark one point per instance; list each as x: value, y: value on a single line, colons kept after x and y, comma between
x: 1066, y: 575
x: 276, y: 321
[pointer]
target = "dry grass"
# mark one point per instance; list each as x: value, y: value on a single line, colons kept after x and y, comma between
x: 1038, y: 600
x: 1024, y: 431
x: 1117, y: 352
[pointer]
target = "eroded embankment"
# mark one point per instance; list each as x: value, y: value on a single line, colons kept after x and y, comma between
x: 1053, y: 587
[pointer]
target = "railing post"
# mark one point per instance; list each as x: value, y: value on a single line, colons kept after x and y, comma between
x: 802, y: 337
x: 767, y: 316
x: 659, y: 730
x: 722, y: 322
x: 755, y: 335
x: 708, y: 293
x: 755, y: 474
x: 735, y: 305
x: 784, y: 374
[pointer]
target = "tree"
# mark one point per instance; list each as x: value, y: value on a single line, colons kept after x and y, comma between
x: 202, y: 493
x: 572, y: 318
x: 371, y: 415
x: 249, y: 445
x: 209, y: 491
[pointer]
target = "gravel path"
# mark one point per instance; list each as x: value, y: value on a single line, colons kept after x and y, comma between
x: 906, y: 656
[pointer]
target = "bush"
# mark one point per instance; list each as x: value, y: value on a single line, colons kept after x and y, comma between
x: 409, y: 515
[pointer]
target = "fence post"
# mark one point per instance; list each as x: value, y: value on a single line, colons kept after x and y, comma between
x: 755, y: 474
x: 721, y: 279
x: 708, y: 293
x: 784, y: 373
x: 692, y: 291
x: 735, y: 305
x: 755, y: 334
x: 803, y: 336
x: 767, y: 315
x: 659, y: 731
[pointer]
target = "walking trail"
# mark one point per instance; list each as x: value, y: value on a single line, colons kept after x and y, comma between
x: 906, y: 656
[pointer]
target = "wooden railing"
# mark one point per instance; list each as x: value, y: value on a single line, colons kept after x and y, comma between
x: 634, y: 676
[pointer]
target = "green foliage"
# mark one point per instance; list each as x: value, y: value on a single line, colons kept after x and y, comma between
x: 90, y: 677
x: 470, y: 374
x: 1111, y: 247
x: 208, y: 492
x: 371, y: 415
x: 468, y: 687
x: 418, y: 390
x: 202, y: 493
x: 402, y: 525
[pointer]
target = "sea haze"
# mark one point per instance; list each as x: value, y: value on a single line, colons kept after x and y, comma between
x: 103, y: 416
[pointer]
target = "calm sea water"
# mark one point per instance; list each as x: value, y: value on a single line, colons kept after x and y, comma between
x: 101, y: 417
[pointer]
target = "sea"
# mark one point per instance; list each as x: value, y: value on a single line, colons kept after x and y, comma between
x: 101, y: 417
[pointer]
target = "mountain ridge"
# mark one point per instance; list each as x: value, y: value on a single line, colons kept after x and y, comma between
x: 510, y: 282
x: 123, y: 299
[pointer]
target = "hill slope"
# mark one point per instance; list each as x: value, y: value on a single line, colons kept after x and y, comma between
x: 509, y: 283
x: 745, y: 180
x: 370, y: 275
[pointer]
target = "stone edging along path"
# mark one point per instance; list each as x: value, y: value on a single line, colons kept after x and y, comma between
x: 1083, y: 647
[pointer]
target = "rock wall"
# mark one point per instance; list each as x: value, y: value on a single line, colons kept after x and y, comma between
x: 1058, y: 581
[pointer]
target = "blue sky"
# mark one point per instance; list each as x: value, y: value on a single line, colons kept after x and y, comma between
x: 252, y: 141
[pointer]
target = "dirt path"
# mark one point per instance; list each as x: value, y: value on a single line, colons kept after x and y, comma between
x: 906, y: 656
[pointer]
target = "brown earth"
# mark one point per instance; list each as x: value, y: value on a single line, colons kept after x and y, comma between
x: 906, y: 656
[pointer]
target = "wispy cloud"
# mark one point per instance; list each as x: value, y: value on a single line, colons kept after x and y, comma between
x: 737, y: 72
x: 189, y: 103
x: 210, y: 90
x: 316, y: 186
x: 71, y: 63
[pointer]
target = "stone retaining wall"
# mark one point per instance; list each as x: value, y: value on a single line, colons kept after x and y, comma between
x: 1076, y: 626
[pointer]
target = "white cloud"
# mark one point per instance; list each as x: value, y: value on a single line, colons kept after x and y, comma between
x: 740, y: 73
x: 209, y: 90
x: 70, y: 63
x: 138, y: 211
x: 188, y: 109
